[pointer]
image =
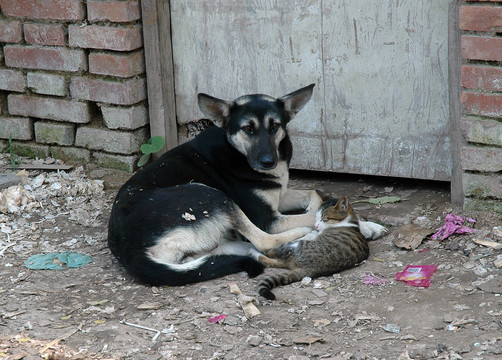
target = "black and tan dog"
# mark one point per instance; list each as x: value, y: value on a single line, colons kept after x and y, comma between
x: 203, y: 208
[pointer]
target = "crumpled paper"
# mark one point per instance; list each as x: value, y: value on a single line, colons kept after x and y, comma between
x: 454, y: 224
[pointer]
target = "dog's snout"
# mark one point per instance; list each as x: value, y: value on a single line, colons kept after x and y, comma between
x: 267, y: 162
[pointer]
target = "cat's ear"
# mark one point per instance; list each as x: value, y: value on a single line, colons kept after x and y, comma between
x: 324, y: 196
x: 343, y: 203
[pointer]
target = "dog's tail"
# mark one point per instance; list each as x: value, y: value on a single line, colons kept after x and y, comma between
x: 202, y: 269
x: 266, y: 285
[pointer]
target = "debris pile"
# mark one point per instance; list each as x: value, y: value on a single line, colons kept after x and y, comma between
x: 41, y: 201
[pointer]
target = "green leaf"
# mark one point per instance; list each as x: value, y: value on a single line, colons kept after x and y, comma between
x: 153, y: 145
x: 157, y: 143
x: 384, y: 200
x: 147, y: 149
x: 143, y: 159
x: 380, y: 200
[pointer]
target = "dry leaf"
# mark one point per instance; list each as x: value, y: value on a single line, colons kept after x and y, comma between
x: 308, y: 340
x: 410, y: 236
x: 321, y: 322
x: 150, y: 306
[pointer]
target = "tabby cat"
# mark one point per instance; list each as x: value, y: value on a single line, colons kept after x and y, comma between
x: 337, y: 245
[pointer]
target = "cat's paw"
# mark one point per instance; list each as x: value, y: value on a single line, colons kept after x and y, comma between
x: 371, y: 230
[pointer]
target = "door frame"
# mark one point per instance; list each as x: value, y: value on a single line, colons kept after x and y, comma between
x: 159, y: 67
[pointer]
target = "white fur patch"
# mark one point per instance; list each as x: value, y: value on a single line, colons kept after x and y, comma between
x: 344, y: 223
x: 273, y: 196
x: 201, y: 237
x: 371, y: 230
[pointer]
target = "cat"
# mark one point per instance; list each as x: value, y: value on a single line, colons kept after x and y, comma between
x: 337, y: 244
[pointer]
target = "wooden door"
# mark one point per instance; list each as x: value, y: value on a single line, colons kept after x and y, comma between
x: 380, y: 104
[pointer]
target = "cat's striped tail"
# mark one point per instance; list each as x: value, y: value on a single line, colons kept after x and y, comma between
x: 266, y: 284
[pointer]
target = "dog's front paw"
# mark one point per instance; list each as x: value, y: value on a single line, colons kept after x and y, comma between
x: 371, y: 230
x: 312, y: 235
x: 304, y: 231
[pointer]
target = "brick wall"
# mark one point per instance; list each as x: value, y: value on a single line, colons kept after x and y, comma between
x: 72, y: 80
x: 480, y: 24
x: 72, y: 86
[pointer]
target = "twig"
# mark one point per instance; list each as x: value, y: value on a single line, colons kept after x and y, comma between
x: 12, y: 314
x: 64, y: 337
x: 6, y: 247
x: 157, y: 332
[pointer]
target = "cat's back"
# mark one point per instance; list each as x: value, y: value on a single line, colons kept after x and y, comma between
x: 334, y: 250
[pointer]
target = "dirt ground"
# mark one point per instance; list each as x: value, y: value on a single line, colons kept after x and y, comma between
x: 87, y: 312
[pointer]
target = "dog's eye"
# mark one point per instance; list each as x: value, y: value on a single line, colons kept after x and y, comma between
x: 274, y: 126
x: 248, y: 129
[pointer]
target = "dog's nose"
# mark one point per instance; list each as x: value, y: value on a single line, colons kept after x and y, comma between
x: 267, y: 162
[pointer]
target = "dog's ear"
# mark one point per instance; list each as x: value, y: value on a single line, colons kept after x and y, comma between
x: 215, y: 109
x: 296, y: 100
x: 324, y: 196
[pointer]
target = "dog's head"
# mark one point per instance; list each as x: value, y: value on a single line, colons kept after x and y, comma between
x: 256, y: 124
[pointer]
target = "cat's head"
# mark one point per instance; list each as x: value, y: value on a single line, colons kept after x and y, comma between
x: 334, y: 212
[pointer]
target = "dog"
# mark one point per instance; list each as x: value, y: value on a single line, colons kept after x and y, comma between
x: 205, y: 208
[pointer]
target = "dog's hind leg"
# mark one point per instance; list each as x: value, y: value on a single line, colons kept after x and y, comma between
x: 300, y: 200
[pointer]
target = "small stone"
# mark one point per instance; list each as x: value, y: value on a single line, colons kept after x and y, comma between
x: 253, y: 340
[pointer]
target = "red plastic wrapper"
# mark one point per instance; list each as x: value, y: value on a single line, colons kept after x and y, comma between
x: 417, y: 275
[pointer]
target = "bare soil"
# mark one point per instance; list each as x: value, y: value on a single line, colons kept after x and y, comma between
x: 86, y: 312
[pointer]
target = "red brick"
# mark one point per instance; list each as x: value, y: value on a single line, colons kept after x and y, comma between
x: 127, y: 92
x: 481, y: 48
x: 116, y: 64
x: 49, y: 108
x: 12, y: 80
x: 44, y: 34
x: 115, y: 11
x: 481, y: 18
x: 481, y: 159
x: 45, y: 58
x: 105, y: 37
x: 483, y: 104
x: 482, y: 77
x: 44, y: 9
x: 10, y: 31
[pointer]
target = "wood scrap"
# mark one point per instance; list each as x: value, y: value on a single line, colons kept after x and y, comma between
x: 246, y: 302
x: 487, y: 243
x: 41, y: 167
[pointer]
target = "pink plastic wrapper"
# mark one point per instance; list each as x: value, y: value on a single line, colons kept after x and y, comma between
x: 374, y: 280
x: 216, y: 318
x: 453, y: 224
x: 417, y: 275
